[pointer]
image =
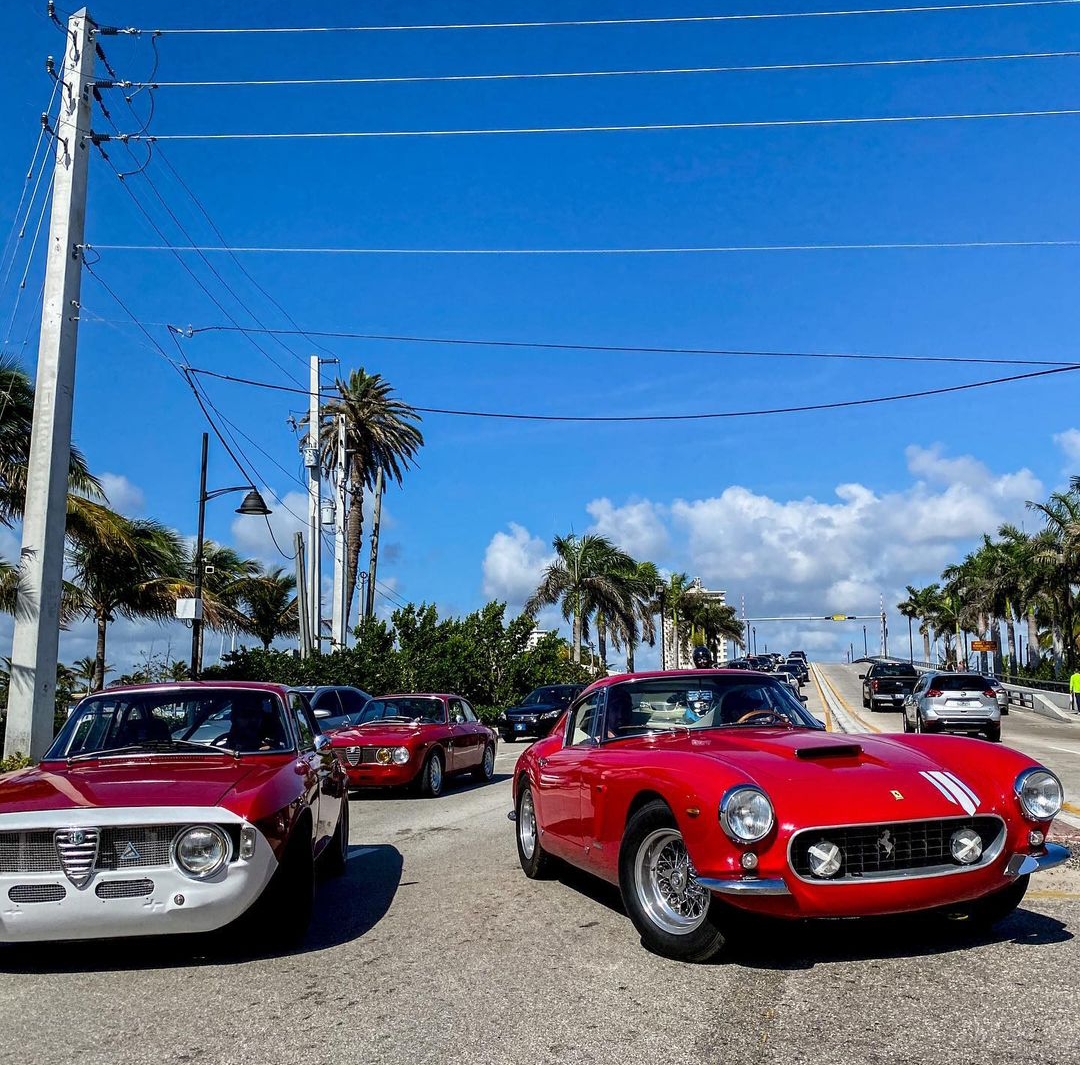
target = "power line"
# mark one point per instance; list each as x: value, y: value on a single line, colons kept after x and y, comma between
x: 711, y: 416
x: 192, y: 331
x: 546, y: 24
x: 854, y: 64
x: 773, y: 123
x: 202, y: 249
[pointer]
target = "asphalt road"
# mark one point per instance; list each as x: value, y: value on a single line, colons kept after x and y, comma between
x: 434, y: 948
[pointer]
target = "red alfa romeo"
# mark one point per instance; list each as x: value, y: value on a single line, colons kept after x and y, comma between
x: 704, y: 794
x: 416, y: 740
x: 173, y: 808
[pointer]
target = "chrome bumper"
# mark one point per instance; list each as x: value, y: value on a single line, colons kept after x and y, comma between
x: 1023, y: 864
x: 746, y: 886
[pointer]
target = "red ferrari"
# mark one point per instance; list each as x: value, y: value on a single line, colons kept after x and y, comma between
x: 416, y: 740
x: 703, y: 794
x: 173, y: 808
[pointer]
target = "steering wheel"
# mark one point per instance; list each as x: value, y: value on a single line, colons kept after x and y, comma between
x: 766, y: 715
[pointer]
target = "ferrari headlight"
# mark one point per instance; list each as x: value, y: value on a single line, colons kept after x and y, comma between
x: 201, y: 851
x: 1040, y: 794
x: 401, y: 755
x: 746, y: 814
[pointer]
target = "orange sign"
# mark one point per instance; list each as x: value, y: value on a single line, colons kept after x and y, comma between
x: 984, y: 645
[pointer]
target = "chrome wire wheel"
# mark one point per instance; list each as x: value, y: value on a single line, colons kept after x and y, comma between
x: 526, y: 822
x: 666, y: 885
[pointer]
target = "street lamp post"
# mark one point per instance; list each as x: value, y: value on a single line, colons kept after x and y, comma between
x: 253, y: 503
x: 865, y: 645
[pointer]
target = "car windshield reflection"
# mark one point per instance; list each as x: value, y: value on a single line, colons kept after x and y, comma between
x: 662, y: 704
x: 422, y: 710
x: 196, y: 721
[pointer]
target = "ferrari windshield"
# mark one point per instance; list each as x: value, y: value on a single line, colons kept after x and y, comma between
x: 194, y: 720
x: 424, y: 709
x: 701, y: 702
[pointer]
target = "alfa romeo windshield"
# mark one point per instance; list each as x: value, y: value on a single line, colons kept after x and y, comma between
x: 404, y: 708
x: 204, y: 720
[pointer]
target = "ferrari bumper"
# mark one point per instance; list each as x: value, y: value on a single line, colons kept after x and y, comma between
x: 1025, y: 864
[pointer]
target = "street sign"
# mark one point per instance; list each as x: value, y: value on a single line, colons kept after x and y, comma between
x: 984, y: 645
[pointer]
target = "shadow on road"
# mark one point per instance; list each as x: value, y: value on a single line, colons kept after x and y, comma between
x: 346, y: 908
x: 780, y: 945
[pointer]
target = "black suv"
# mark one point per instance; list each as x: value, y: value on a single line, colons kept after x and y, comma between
x: 537, y: 713
x: 887, y: 684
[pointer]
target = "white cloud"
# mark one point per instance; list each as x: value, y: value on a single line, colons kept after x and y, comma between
x: 123, y: 496
x: 635, y: 527
x: 513, y: 565
x: 805, y: 557
x: 252, y: 536
x: 1069, y: 444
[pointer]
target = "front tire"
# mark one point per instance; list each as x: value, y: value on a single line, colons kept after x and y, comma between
x: 676, y: 916
x: 332, y: 860
x: 981, y: 914
x: 433, y: 775
x: 280, y: 917
x: 536, y: 863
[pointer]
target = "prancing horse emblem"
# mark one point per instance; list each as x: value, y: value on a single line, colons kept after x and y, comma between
x: 885, y: 843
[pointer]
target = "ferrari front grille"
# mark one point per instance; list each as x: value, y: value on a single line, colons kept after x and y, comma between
x: 894, y: 850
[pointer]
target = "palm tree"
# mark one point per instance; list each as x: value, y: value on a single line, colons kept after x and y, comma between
x: 269, y: 602
x: 139, y: 576
x: 639, y: 624
x: 706, y: 622
x: 379, y: 433
x: 587, y: 578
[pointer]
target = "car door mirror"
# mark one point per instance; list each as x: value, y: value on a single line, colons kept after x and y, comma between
x: 862, y: 676
x: 322, y: 742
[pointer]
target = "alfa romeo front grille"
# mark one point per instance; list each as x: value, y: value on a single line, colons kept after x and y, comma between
x: 136, y: 847
x: 360, y: 755
x: 37, y: 893
x: 895, y: 850
x: 28, y: 852
x: 124, y: 889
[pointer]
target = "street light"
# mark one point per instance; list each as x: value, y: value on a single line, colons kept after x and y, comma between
x: 253, y: 503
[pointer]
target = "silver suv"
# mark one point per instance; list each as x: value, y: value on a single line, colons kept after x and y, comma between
x: 953, y: 702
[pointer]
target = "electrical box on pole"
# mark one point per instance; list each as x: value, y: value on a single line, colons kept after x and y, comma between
x: 32, y: 693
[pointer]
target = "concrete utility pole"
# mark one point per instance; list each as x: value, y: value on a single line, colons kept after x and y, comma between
x: 314, y: 469
x: 302, y: 617
x: 376, y: 517
x: 340, y: 629
x: 31, y: 701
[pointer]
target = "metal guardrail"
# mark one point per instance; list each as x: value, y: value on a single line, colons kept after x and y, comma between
x: 1057, y: 686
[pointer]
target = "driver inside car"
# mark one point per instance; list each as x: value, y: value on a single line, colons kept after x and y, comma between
x: 254, y: 726
x: 745, y: 703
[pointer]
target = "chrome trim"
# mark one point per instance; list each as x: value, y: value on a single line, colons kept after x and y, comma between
x: 1025, y: 864
x: 745, y: 886
x: 223, y: 836
x: 721, y: 814
x: 1018, y: 791
x: 925, y: 873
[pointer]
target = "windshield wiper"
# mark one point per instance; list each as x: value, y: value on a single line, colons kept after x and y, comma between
x: 152, y: 746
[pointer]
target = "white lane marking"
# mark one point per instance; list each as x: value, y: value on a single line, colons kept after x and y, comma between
x: 1064, y: 750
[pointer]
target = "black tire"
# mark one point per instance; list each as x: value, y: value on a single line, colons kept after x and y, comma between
x: 433, y: 775
x: 536, y: 863
x: 993, y: 734
x: 981, y: 914
x: 508, y: 737
x: 281, y: 915
x: 918, y: 722
x: 333, y: 858
x: 907, y: 727
x: 652, y: 837
x: 486, y: 769
x: 866, y: 701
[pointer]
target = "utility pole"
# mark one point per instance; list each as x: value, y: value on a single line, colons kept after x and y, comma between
x: 302, y: 617
x: 339, y: 634
x: 32, y: 694
x: 375, y: 519
x: 314, y: 544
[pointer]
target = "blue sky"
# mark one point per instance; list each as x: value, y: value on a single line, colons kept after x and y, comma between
x: 750, y: 505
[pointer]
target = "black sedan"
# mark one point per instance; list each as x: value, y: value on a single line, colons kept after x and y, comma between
x: 537, y: 713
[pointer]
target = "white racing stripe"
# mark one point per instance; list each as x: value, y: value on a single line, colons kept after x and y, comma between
x: 955, y: 790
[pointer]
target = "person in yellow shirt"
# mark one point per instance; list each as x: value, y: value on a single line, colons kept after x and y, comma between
x: 1074, y: 690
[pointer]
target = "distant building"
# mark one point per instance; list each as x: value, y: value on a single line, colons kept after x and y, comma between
x: 678, y: 654
x: 536, y: 636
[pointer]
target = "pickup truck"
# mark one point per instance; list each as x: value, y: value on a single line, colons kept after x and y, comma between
x: 887, y: 684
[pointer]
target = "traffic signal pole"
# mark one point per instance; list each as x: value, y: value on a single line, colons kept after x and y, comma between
x: 32, y: 693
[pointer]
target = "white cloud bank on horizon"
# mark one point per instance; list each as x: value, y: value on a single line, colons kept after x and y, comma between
x: 802, y: 557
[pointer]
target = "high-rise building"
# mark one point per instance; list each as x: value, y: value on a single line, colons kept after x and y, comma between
x: 676, y: 653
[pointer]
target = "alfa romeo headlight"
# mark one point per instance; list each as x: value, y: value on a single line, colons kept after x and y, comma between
x: 1040, y: 794
x: 746, y: 814
x: 401, y: 755
x: 201, y: 851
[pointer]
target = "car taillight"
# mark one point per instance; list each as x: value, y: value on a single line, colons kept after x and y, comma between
x: 933, y: 693
x: 873, y: 685
x: 991, y: 693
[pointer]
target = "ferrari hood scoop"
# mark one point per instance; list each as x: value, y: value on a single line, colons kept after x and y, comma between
x: 829, y: 750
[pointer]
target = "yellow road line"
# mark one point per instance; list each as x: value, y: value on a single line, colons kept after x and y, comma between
x: 1071, y: 807
x: 1052, y: 895
x: 847, y: 708
x: 824, y: 701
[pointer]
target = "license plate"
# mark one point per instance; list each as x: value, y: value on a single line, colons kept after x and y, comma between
x: 519, y: 726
